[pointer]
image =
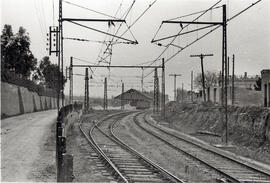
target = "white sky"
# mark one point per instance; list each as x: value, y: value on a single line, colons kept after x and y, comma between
x: 248, y: 37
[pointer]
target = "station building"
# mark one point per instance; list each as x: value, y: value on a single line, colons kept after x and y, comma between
x: 136, y: 98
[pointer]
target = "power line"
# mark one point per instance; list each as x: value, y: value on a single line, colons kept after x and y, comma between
x: 83, y: 7
x: 53, y: 10
x: 181, y: 31
x: 43, y: 34
x: 195, y: 13
x: 199, y: 38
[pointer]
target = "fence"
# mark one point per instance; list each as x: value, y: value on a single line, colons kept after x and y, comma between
x: 64, y: 161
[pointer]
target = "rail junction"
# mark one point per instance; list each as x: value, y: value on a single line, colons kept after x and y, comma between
x: 125, y: 164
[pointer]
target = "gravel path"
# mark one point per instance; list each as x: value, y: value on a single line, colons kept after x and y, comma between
x: 27, y: 150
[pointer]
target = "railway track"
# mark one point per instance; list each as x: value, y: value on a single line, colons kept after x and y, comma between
x: 231, y: 169
x: 125, y: 164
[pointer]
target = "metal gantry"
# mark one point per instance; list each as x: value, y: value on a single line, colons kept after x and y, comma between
x: 156, y: 83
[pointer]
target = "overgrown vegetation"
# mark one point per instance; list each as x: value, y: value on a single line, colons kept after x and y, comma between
x: 20, y: 67
x: 211, y: 79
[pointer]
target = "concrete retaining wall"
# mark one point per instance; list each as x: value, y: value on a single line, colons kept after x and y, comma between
x: 18, y: 100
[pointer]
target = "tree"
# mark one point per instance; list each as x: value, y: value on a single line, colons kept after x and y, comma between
x: 47, y: 73
x: 6, y: 51
x: 211, y: 79
x: 258, y: 85
x: 16, y: 53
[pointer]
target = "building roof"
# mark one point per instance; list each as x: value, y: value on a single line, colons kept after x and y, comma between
x: 133, y: 94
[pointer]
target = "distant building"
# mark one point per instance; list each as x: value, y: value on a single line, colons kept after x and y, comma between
x: 266, y: 87
x: 136, y: 98
x: 245, y: 81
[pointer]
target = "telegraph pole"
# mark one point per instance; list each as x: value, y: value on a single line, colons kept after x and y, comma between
x: 182, y: 93
x: 175, y: 92
x: 201, y: 56
x: 71, y: 81
x: 228, y: 76
x: 86, y: 90
x: 233, y: 80
x: 224, y: 48
x: 163, y: 90
x: 105, y: 102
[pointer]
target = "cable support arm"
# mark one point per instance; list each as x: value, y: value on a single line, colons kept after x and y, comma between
x: 132, y: 42
x: 92, y: 20
x: 202, y: 55
x: 191, y: 22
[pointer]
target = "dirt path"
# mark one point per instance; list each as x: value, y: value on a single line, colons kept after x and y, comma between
x: 27, y: 150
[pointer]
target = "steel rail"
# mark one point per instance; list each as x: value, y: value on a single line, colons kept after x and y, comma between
x: 204, y: 148
x: 99, y: 150
x: 136, y: 153
x: 178, y: 149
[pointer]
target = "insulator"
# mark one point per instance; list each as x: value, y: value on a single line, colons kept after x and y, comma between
x: 47, y: 49
x: 54, y: 35
x: 47, y: 34
x: 47, y: 39
x: 53, y: 39
x: 53, y: 44
x: 47, y: 43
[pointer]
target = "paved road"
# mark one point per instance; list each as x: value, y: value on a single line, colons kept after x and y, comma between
x: 22, y: 138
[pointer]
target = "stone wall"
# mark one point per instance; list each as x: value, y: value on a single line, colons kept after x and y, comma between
x: 17, y: 100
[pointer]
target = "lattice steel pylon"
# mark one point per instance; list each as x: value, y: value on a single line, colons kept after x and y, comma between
x: 105, y: 102
x: 86, y: 90
x: 122, y: 97
x: 156, y: 93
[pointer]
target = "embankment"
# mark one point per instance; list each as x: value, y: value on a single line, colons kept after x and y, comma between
x: 248, y: 127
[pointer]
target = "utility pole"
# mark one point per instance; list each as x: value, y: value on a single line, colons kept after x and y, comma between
x: 122, y: 97
x: 233, y: 80
x: 201, y: 56
x: 224, y: 51
x: 191, y: 85
x: 142, y: 79
x: 175, y: 92
x: 86, y: 90
x: 228, y: 76
x: 105, y: 102
x: 182, y: 93
x: 71, y: 81
x: 163, y: 90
